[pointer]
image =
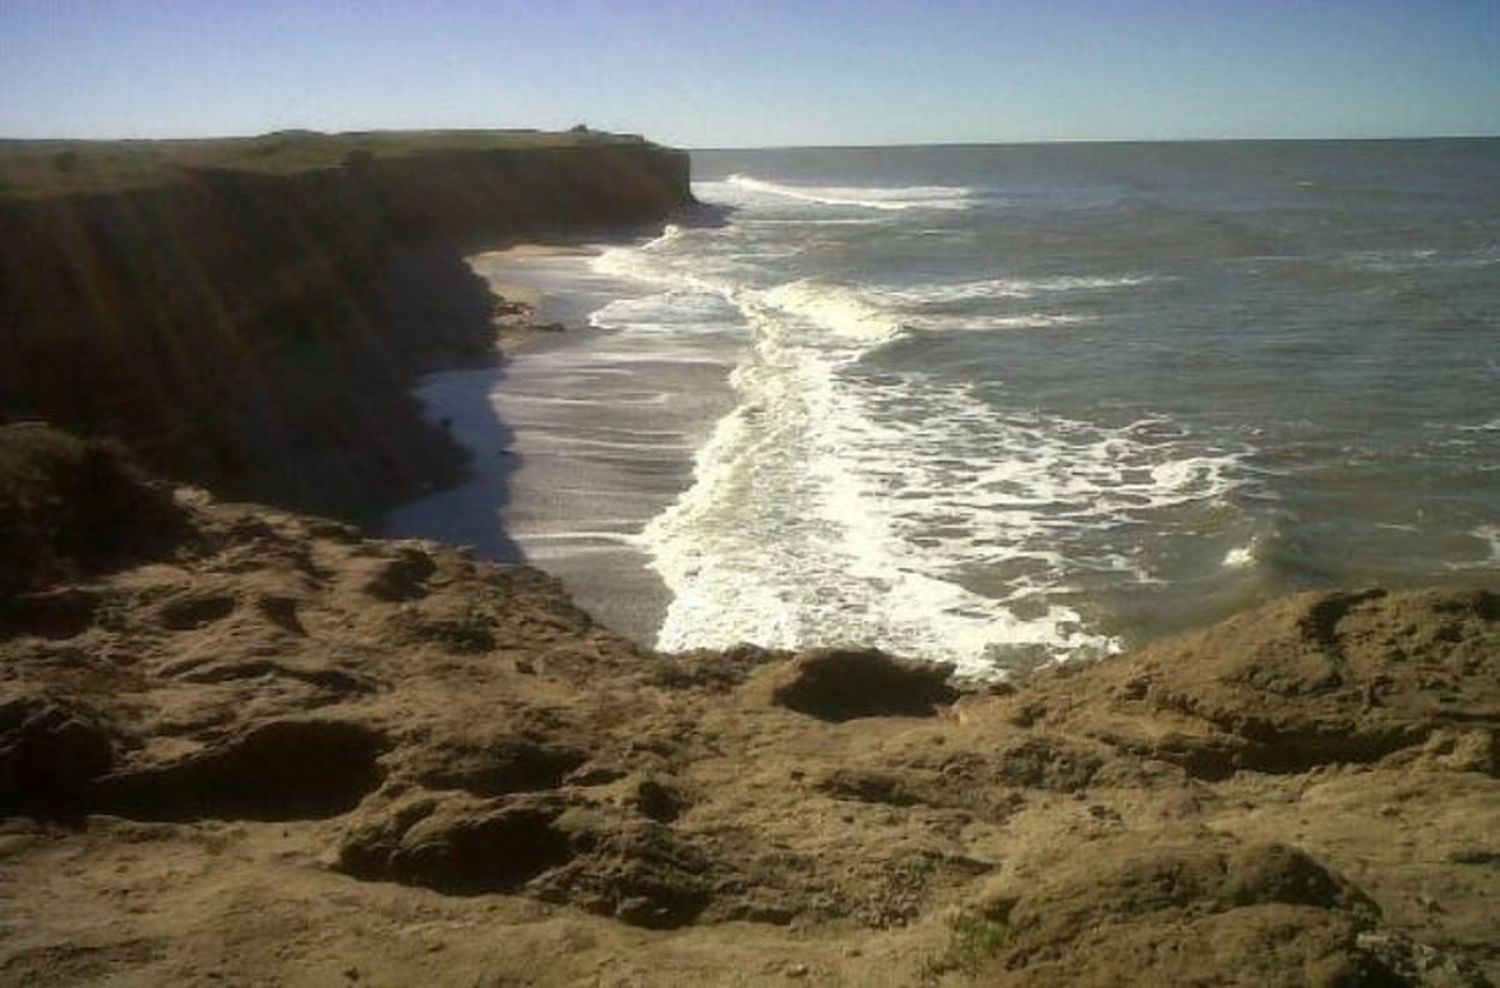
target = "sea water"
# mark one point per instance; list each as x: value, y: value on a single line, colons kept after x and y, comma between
x: 1007, y: 404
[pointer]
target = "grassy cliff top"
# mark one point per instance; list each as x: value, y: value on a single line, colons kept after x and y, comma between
x: 43, y: 168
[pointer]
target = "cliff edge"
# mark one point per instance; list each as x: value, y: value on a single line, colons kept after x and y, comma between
x: 250, y: 314
x: 243, y: 746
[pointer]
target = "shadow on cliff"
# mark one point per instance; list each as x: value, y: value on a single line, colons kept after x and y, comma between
x: 232, y: 323
x: 432, y: 293
x: 472, y: 512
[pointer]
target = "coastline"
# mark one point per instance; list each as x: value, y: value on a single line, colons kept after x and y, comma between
x: 255, y: 310
x: 242, y: 745
x: 576, y: 438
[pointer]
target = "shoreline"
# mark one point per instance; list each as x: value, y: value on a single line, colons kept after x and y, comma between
x: 567, y: 461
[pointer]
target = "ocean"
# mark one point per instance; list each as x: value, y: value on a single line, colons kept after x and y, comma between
x: 1004, y: 405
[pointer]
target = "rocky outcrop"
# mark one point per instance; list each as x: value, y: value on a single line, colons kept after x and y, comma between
x: 51, y: 751
x: 69, y: 506
x: 258, y: 330
x: 1318, y: 679
x: 843, y: 684
x: 271, y: 750
x: 1176, y: 912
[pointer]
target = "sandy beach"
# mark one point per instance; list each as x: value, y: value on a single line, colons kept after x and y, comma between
x: 577, y: 437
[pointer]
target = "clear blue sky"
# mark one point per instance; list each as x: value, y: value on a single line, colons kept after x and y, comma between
x: 756, y: 72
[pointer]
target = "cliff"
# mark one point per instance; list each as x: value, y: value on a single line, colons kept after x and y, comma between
x: 250, y: 314
x: 240, y: 746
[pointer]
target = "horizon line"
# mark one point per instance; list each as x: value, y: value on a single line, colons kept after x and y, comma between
x: 778, y: 146
x: 1089, y: 140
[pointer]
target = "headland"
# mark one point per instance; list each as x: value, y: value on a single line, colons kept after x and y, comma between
x: 251, y: 313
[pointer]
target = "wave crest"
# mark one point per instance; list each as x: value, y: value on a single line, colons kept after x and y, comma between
x: 865, y: 197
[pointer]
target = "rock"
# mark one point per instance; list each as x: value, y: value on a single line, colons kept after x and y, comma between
x: 195, y: 610
x: 1186, y: 814
x: 659, y: 799
x: 496, y: 765
x: 844, y: 684
x: 281, y: 611
x: 544, y: 845
x: 507, y: 307
x: 280, y: 770
x: 1279, y: 873
x: 1184, y: 912
x: 322, y: 675
x: 1462, y: 750
x: 1316, y: 679
x: 873, y: 786
x: 1046, y: 763
x: 460, y: 846
x: 62, y: 613
x: 713, y: 670
x: 641, y: 873
x: 50, y: 751
x: 401, y: 578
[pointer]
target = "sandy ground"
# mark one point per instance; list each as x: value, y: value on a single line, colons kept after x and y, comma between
x: 499, y: 267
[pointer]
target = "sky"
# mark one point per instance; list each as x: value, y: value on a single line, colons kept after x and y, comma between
x: 737, y: 73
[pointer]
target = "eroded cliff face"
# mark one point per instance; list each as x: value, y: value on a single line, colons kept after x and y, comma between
x: 258, y: 332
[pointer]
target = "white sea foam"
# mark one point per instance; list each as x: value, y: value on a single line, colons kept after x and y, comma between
x: 815, y: 517
x: 1490, y: 536
x: 837, y: 308
x: 812, y: 221
x: 1421, y: 258
x: 1239, y: 557
x: 984, y: 324
x: 864, y: 197
x: 826, y: 509
x: 832, y: 505
x: 1005, y: 288
x: 863, y: 312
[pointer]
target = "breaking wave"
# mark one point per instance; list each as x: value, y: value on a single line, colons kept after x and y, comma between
x: 864, y: 197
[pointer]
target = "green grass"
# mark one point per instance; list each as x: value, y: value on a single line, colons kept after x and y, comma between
x: 39, y: 169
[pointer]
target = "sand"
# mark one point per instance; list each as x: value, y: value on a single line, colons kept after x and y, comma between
x: 569, y: 458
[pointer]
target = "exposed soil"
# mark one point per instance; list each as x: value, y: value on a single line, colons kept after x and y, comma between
x: 269, y: 751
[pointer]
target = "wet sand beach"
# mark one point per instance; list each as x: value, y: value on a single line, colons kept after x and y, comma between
x: 577, y: 438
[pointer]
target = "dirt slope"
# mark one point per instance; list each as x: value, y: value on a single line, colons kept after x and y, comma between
x: 272, y: 752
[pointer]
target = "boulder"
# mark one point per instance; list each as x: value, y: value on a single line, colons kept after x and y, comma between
x: 1315, y: 679
x: 545, y: 845
x: 1194, y: 910
x: 839, y: 684
x: 50, y: 751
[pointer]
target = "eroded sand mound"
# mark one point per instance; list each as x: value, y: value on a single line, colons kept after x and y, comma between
x: 277, y: 753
